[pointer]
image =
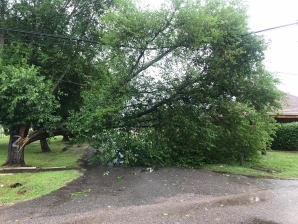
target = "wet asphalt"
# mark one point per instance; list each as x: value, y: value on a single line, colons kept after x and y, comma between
x: 167, y: 195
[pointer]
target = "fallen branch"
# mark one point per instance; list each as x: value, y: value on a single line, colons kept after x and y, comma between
x: 41, y: 134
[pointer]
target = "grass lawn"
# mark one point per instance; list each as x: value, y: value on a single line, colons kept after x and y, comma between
x: 285, y: 163
x: 41, y: 183
x: 57, y: 158
x: 33, y: 184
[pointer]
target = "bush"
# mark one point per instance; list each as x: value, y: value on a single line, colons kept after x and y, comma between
x: 286, y: 137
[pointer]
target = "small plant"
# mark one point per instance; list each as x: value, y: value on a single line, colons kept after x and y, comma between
x: 106, y: 173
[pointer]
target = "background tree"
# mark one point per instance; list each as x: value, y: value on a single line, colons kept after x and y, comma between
x: 184, y: 78
x: 25, y: 100
x: 67, y: 63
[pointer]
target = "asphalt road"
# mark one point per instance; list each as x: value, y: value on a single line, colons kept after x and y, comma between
x: 168, y: 195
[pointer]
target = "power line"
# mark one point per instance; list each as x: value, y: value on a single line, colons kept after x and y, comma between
x: 75, y: 83
x: 286, y: 73
x: 97, y: 42
x: 272, y: 28
x: 276, y: 27
x: 47, y: 35
x: 52, y: 36
x: 11, y: 38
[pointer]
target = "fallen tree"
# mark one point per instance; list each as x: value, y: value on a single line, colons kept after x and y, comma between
x: 177, y: 70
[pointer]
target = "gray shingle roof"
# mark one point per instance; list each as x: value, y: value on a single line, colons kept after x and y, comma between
x: 291, y: 106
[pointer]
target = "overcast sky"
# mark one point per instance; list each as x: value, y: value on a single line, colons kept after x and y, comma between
x: 283, y: 53
x: 282, y: 57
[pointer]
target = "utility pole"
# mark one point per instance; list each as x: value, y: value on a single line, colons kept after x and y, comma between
x: 2, y: 12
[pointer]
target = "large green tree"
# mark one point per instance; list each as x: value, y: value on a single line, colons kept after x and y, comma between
x: 67, y: 62
x: 25, y: 100
x: 185, y: 78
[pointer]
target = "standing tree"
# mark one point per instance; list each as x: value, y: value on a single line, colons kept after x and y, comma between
x: 67, y: 63
x: 25, y: 99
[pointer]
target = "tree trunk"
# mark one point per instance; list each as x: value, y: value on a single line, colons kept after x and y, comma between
x: 241, y: 159
x: 65, y: 138
x: 14, y: 156
x: 44, y: 145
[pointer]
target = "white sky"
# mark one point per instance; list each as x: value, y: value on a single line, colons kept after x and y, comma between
x: 282, y: 55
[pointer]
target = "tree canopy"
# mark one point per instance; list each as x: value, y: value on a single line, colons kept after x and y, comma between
x: 66, y: 62
x: 181, y: 85
x: 25, y: 97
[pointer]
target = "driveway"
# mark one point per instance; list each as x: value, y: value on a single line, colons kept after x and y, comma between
x: 167, y: 195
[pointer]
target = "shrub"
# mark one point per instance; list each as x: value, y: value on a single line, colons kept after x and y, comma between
x: 286, y: 137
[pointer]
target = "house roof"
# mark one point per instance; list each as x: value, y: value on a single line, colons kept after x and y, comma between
x: 290, y: 107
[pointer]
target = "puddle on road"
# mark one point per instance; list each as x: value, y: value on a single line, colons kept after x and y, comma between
x: 261, y: 221
x: 59, y: 203
x: 242, y: 200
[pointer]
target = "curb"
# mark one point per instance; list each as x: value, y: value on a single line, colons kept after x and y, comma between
x: 36, y: 169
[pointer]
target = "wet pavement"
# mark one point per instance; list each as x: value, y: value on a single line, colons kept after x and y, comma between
x: 168, y: 195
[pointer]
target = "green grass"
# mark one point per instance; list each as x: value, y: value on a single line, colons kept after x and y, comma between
x: 285, y: 164
x: 33, y: 185
x: 38, y: 184
x: 57, y: 158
